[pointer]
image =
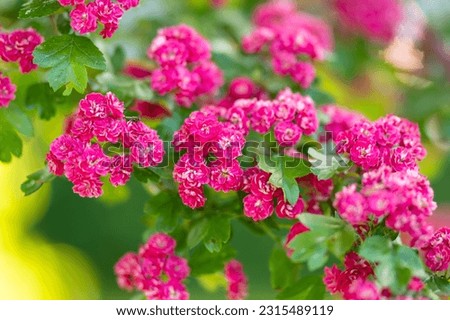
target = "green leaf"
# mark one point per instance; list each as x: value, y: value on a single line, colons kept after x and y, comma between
x: 395, y: 264
x: 326, y: 166
x: 145, y: 174
x: 318, y: 259
x: 282, y: 270
x: 68, y: 56
x: 63, y: 23
x: 118, y: 59
x: 375, y: 248
x: 40, y: 97
x: 306, y: 244
x: 197, y: 232
x: 327, y: 234
x: 320, y: 97
x: 124, y: 87
x: 307, y: 288
x: 166, y: 207
x: 10, y: 142
x: 409, y: 258
x: 38, y: 8
x: 219, y: 232
x: 319, y: 222
x: 284, y: 170
x: 342, y: 241
x: 203, y: 261
x: 440, y: 285
x: 36, y: 180
x: 19, y: 120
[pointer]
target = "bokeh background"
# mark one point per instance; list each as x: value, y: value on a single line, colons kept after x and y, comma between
x: 56, y: 245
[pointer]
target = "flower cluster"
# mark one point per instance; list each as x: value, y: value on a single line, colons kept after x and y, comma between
x: 155, y: 270
x: 212, y: 148
x: 403, y: 199
x: 185, y: 66
x: 437, y: 250
x: 352, y: 282
x: 7, y: 91
x: 18, y: 46
x: 376, y: 19
x: 259, y: 203
x: 237, y: 285
x: 291, y: 115
x: 78, y: 153
x: 85, y: 17
x: 389, y: 141
x: 292, y: 38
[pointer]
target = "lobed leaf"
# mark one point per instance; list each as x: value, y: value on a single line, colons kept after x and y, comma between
x: 68, y: 57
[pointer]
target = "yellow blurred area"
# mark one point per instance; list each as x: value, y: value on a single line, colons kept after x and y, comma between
x: 31, y: 267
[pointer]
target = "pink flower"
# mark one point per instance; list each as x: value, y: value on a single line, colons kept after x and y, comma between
x: 242, y: 88
x: 238, y: 118
x: 176, y: 268
x: 107, y: 12
x: 66, y: 3
x: 376, y: 19
x: 83, y: 161
x: 155, y: 270
x: 54, y: 165
x: 284, y: 209
x: 365, y: 153
x: 7, y: 91
x: 120, y: 170
x: 88, y: 186
x: 303, y: 73
x: 341, y: 119
x: 331, y: 278
x: 361, y: 289
x: 437, y: 250
x: 237, y: 285
x: 257, y: 208
x: 261, y: 187
x: 226, y: 175
x: 184, y: 63
x: 287, y: 133
x: 18, y: 46
x: 415, y: 284
x: 352, y: 282
x: 351, y: 205
x: 191, y: 172
x: 83, y: 18
x: 192, y: 196
x: 158, y: 244
x: 289, y: 34
x: 128, y: 4
x: 263, y: 116
x: 127, y: 270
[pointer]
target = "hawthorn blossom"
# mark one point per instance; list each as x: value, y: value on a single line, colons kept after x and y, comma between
x: 376, y: 19
x: 390, y: 141
x: 437, y: 250
x: 18, y: 46
x: 155, y: 270
x: 83, y: 161
x: 185, y: 68
x: 288, y: 34
x: 237, y: 286
x: 7, y: 91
